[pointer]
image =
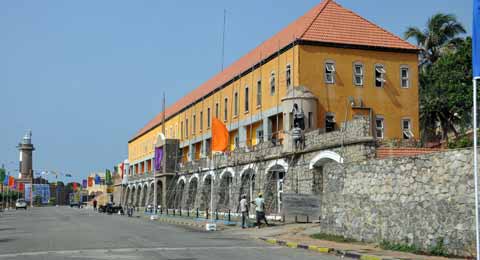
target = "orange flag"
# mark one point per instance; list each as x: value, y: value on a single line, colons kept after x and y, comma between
x: 11, y: 181
x: 219, y: 136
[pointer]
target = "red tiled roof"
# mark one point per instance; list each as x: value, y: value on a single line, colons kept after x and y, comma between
x: 327, y: 22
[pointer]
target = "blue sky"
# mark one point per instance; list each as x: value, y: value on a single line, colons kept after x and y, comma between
x: 86, y: 75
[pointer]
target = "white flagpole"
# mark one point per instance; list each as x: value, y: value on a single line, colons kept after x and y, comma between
x: 475, y: 162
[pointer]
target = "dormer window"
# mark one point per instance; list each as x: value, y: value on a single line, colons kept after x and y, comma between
x: 329, y: 72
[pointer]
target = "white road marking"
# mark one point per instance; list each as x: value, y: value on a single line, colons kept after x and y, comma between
x: 125, y: 250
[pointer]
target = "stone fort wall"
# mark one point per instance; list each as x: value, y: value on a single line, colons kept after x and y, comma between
x: 422, y: 200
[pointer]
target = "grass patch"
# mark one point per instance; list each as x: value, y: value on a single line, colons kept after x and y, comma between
x: 335, y: 238
x: 438, y: 249
x: 386, y: 245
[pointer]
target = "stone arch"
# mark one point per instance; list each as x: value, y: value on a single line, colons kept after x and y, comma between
x: 150, y: 193
x: 316, y: 166
x: 179, y: 189
x: 182, y: 178
x: 132, y: 196
x: 143, y: 198
x: 192, y: 191
x: 273, y: 185
x: 194, y: 176
x: 210, y: 173
x: 227, y: 170
x: 207, y: 184
x: 247, y: 184
x: 324, y: 157
x: 225, y: 189
x: 274, y: 163
x: 137, y: 195
x: 248, y: 167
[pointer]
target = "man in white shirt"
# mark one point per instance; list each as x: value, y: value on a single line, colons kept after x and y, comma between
x: 244, y: 210
x: 260, y: 209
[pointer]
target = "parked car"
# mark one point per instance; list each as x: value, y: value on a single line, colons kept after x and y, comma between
x: 20, y: 203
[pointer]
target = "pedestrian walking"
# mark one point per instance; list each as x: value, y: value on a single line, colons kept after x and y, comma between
x: 243, y: 207
x: 260, y: 209
x: 94, y: 205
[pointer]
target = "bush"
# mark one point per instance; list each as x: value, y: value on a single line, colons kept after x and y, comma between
x: 387, y: 245
x: 463, y: 142
x: 436, y: 250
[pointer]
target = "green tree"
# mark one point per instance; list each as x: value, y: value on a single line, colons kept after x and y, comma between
x: 2, y: 175
x: 441, y: 31
x: 445, y: 92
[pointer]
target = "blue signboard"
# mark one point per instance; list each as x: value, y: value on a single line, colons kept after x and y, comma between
x: 42, y: 190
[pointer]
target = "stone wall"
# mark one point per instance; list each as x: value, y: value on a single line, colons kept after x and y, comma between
x: 422, y: 200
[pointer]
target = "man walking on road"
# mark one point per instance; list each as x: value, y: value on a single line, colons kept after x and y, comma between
x: 94, y: 205
x: 260, y: 209
x: 244, y: 210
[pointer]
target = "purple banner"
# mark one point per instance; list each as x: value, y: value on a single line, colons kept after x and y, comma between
x: 84, y: 183
x: 158, y: 158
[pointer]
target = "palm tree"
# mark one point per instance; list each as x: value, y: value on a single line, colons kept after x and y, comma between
x: 441, y: 32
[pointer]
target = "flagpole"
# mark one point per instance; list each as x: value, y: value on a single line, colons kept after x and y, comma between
x: 475, y: 162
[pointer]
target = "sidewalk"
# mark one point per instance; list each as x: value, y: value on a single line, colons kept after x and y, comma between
x: 199, y: 223
x: 298, y: 236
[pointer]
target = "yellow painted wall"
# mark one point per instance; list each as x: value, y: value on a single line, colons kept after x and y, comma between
x: 143, y: 147
x: 307, y: 63
x: 392, y: 102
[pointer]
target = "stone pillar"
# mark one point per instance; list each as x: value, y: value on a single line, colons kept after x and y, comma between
x: 266, y: 130
x: 242, y: 136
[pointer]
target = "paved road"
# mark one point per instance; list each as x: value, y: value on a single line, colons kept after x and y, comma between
x: 65, y: 233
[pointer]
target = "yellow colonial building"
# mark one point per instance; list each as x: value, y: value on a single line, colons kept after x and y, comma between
x: 353, y: 68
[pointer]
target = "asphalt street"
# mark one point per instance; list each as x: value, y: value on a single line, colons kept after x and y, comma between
x: 66, y: 233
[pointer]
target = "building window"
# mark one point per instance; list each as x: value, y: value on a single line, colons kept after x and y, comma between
x: 329, y: 72
x: 225, y: 110
x: 380, y: 127
x: 259, y: 135
x: 235, y: 104
x: 288, y: 75
x: 247, y: 100
x: 236, y: 141
x: 404, y: 77
x: 175, y: 131
x: 194, y: 124
x: 329, y: 122
x: 208, y: 117
x: 181, y: 130
x: 358, y: 74
x: 201, y: 121
x: 407, y: 129
x: 217, y: 111
x: 310, y: 120
x: 272, y: 83
x: 259, y: 93
x: 379, y: 75
x: 171, y: 132
x: 186, y: 128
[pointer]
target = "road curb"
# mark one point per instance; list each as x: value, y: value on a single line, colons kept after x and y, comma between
x: 327, y: 250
